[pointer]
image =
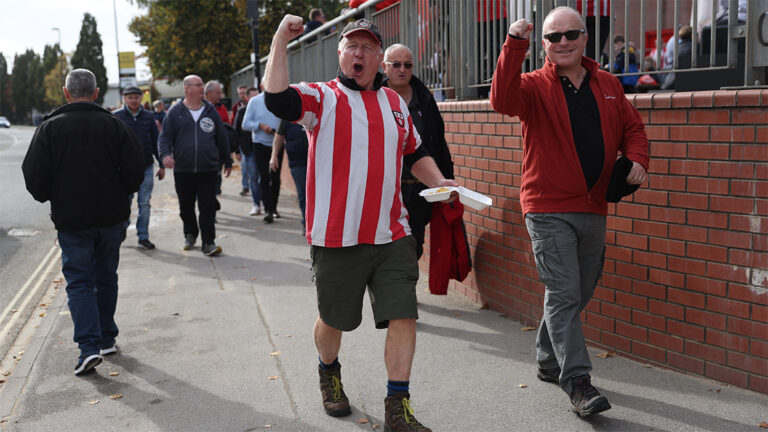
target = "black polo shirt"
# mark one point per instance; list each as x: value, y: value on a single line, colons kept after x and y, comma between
x: 586, y: 128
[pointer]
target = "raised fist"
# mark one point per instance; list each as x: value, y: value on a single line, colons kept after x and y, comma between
x: 521, y: 28
x: 291, y: 27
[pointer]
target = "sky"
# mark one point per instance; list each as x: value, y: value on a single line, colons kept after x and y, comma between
x: 26, y: 24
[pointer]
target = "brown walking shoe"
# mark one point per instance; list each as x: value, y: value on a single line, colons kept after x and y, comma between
x: 335, y: 401
x: 398, y: 415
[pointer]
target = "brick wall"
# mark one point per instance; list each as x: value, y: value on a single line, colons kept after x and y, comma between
x: 685, y: 283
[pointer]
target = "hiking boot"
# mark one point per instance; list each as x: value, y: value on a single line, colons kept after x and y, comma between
x: 87, y: 364
x: 269, y: 218
x: 586, y: 399
x: 211, y: 249
x: 146, y: 244
x: 189, y: 241
x: 549, y: 375
x: 335, y: 401
x: 398, y: 415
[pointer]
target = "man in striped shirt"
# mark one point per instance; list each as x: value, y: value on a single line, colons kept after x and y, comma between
x: 360, y: 135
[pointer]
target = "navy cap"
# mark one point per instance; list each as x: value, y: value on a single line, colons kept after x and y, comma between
x: 132, y: 90
x: 362, y: 25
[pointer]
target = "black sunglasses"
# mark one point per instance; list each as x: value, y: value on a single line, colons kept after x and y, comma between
x: 397, y: 65
x: 571, y: 35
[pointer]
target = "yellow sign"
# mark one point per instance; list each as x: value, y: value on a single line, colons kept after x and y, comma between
x: 127, y: 62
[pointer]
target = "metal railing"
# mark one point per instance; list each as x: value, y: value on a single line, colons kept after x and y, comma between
x: 456, y: 42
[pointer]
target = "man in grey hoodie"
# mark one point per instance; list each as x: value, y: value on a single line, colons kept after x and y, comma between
x: 194, y: 144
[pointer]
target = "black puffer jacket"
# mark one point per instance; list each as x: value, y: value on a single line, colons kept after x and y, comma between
x: 86, y: 162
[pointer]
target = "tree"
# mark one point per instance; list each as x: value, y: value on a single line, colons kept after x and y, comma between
x: 53, y: 82
x: 211, y: 39
x: 89, y: 54
x: 54, y: 71
x: 5, y: 103
x: 27, y: 84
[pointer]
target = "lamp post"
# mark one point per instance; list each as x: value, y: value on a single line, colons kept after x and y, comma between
x: 58, y: 56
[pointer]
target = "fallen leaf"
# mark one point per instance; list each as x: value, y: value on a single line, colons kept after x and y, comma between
x: 14, y: 310
x: 267, y: 426
x: 93, y: 402
x: 376, y: 426
x: 603, y: 355
x: 763, y: 425
x: 116, y: 396
x: 275, y: 353
x: 253, y: 278
x: 42, y: 314
x: 175, y: 314
x: 457, y: 314
x: 523, y: 385
x: 6, y: 373
x: 362, y: 420
x: 43, y: 305
x: 484, y: 306
x: 647, y: 365
x: 114, y: 373
x: 287, y: 335
x: 528, y: 328
x: 717, y: 391
x: 272, y: 377
x: 21, y: 352
x: 2, y: 381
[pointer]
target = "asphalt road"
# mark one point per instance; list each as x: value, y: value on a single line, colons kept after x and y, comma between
x: 26, y: 238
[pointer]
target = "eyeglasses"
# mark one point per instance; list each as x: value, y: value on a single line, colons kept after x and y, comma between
x: 571, y: 35
x: 397, y: 65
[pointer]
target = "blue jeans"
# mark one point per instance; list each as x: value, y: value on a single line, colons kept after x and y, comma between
x: 299, y: 175
x: 244, y: 172
x: 89, y: 262
x: 145, y: 193
x: 253, y: 178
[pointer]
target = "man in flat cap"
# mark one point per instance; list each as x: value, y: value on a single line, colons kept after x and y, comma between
x: 360, y: 135
x: 142, y: 123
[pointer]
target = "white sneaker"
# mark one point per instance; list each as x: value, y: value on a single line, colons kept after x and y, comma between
x: 255, y: 210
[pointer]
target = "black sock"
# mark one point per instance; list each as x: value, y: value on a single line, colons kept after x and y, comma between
x: 324, y: 366
x: 397, y: 387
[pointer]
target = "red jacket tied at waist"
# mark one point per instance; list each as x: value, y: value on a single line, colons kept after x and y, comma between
x: 448, y: 249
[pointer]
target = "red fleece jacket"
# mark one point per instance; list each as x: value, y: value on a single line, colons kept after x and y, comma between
x: 552, y: 178
x: 448, y: 249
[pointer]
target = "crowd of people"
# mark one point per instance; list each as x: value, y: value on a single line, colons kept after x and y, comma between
x: 361, y: 147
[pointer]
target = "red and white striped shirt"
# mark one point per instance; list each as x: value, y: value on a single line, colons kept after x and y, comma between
x: 357, y: 140
x: 604, y: 5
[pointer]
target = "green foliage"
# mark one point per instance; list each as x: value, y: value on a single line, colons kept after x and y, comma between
x: 53, y: 82
x: 27, y: 84
x: 89, y: 54
x: 5, y: 100
x: 211, y: 39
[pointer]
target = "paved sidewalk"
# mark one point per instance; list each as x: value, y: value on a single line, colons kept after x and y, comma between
x: 225, y: 344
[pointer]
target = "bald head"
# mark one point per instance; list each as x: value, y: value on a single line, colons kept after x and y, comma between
x: 560, y: 13
x: 397, y: 48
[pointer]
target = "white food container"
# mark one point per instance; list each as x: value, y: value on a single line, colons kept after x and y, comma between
x: 467, y: 197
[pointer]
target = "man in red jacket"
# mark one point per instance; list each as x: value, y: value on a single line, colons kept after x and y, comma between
x: 575, y: 120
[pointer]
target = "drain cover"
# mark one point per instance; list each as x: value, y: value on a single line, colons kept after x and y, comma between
x: 22, y: 232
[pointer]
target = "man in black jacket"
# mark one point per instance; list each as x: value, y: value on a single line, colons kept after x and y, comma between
x: 142, y: 123
x: 398, y: 66
x: 194, y: 145
x: 86, y: 162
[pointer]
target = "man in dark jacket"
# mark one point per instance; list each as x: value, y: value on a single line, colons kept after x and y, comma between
x: 194, y: 144
x: 142, y: 123
x: 398, y: 66
x: 293, y: 138
x: 85, y: 161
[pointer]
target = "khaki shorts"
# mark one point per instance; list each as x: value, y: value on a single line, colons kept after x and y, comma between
x: 390, y: 271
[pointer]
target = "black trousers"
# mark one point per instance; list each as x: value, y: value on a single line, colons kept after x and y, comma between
x: 200, y: 187
x: 270, y: 180
x: 419, y: 213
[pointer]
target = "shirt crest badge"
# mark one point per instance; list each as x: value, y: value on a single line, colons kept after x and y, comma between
x: 399, y: 118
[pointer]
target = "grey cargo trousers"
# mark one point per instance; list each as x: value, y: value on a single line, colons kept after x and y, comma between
x: 569, y: 249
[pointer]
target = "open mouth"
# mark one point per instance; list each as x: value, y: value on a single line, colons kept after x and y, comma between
x: 358, y: 67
